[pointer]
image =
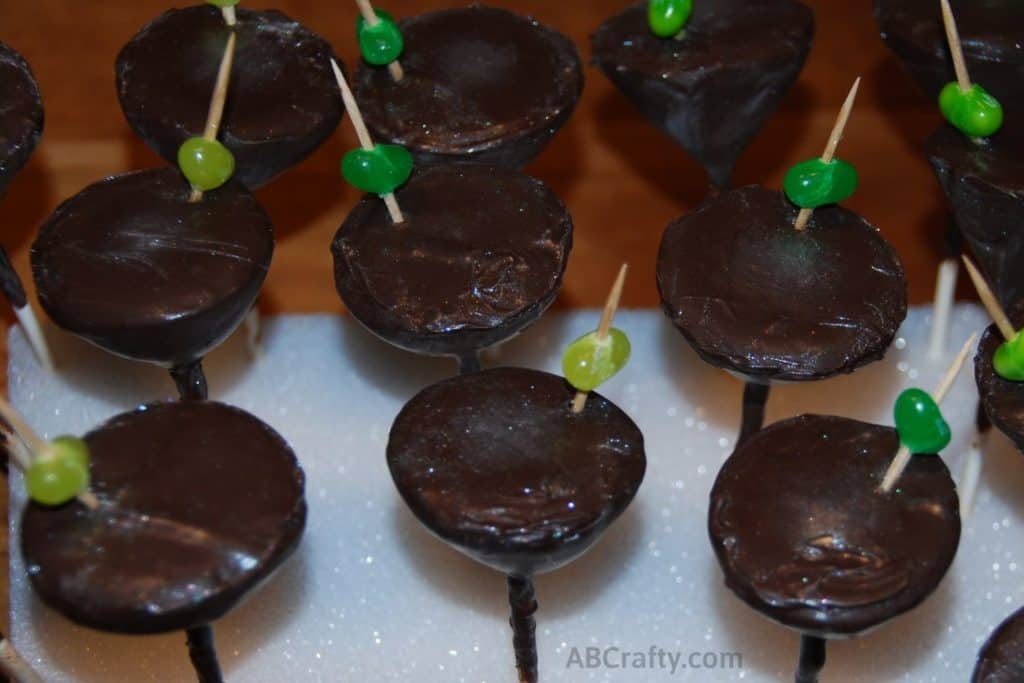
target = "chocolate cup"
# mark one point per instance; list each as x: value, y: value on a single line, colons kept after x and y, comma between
x: 133, y: 266
x: 1001, y: 659
x: 984, y: 185
x: 481, y: 84
x: 991, y: 32
x: 805, y: 538
x: 282, y: 101
x: 479, y: 257
x: 21, y: 116
x: 753, y: 295
x: 199, y: 503
x: 496, y: 464
x: 1002, y: 399
x: 714, y: 89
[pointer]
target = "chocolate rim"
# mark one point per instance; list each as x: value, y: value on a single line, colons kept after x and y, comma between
x: 1004, y: 647
x: 18, y: 147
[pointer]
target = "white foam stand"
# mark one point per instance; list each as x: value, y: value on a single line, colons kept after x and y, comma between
x: 371, y: 596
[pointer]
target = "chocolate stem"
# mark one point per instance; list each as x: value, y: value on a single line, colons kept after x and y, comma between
x: 203, y: 654
x: 468, y: 362
x: 812, y: 659
x: 190, y: 380
x: 524, y: 628
x: 754, y: 398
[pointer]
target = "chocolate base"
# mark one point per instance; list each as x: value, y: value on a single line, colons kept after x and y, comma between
x: 753, y: 295
x: 21, y: 114
x: 479, y: 257
x: 984, y: 185
x: 805, y: 538
x: 1002, y: 399
x: 481, y: 84
x: 135, y: 268
x: 714, y: 89
x: 991, y: 31
x: 282, y: 101
x: 497, y: 464
x: 200, y: 502
x: 1001, y: 659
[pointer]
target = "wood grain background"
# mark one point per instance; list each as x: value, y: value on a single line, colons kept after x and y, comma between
x: 622, y: 180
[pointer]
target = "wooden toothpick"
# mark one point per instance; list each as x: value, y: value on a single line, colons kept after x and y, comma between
x: 990, y: 301
x: 833, y: 143
x: 229, y: 15
x: 35, y: 444
x: 371, y: 18
x: 963, y: 79
x: 363, y: 133
x: 611, y: 305
x: 903, y: 455
x: 220, y: 95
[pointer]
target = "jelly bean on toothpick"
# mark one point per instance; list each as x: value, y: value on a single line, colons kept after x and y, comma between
x: 590, y: 361
x: 919, y: 421
x: 974, y: 112
x: 380, y: 170
x: 668, y: 17
x: 60, y: 472
x: 379, y: 43
x: 815, y: 182
x: 206, y: 164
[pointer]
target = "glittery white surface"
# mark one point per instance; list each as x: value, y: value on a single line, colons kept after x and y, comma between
x: 370, y: 596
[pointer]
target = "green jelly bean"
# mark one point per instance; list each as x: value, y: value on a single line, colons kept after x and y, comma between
x: 667, y: 18
x: 380, y: 170
x: 815, y: 183
x: 60, y: 473
x: 206, y: 164
x: 1009, y: 359
x: 589, y: 362
x: 974, y: 112
x: 919, y: 422
x: 381, y: 43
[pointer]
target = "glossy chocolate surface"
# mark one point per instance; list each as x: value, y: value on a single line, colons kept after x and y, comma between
x: 805, y: 538
x: 1001, y: 659
x: 21, y: 114
x: 282, y: 100
x: 1002, y: 399
x: 134, y: 267
x: 984, y: 185
x: 200, y: 502
x: 991, y: 31
x: 752, y: 294
x: 481, y: 84
x: 479, y: 257
x: 713, y: 90
x: 496, y: 464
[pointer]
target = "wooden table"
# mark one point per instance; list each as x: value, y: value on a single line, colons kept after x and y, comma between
x: 621, y: 179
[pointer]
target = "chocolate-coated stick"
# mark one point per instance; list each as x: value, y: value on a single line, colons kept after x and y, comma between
x: 371, y: 18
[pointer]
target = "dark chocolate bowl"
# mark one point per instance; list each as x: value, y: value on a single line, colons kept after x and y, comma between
x: 1001, y: 659
x: 479, y: 257
x: 1002, y: 399
x: 805, y: 538
x: 497, y: 464
x: 481, y: 84
x: 199, y: 503
x: 21, y: 114
x: 282, y: 99
x: 753, y: 295
x: 712, y: 90
x: 131, y: 265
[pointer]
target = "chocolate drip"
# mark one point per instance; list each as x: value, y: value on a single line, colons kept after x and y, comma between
x: 190, y: 380
x: 203, y: 654
x: 755, y: 395
x: 10, y: 283
x: 812, y: 659
x: 523, y: 601
x: 469, y: 362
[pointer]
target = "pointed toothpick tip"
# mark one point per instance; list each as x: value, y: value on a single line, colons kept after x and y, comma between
x: 839, y: 129
x: 611, y: 304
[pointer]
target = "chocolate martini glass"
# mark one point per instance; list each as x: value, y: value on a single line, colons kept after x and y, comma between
x: 1001, y: 659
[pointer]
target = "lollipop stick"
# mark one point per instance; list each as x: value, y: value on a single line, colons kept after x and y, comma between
x: 363, y: 133
x: 611, y: 305
x: 190, y: 380
x: 945, y: 287
x: 220, y: 94
x: 754, y: 398
x: 833, y: 143
x: 812, y: 659
x: 14, y: 666
x: 963, y: 79
x: 34, y: 333
x: 253, y: 331
x: 969, y: 478
x: 523, y: 602
x: 203, y: 654
x: 371, y: 18
x: 903, y: 455
x: 992, y: 305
